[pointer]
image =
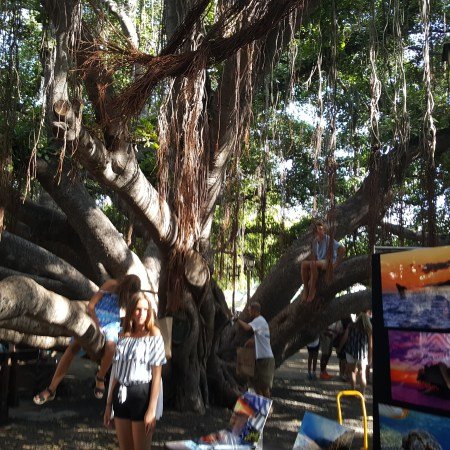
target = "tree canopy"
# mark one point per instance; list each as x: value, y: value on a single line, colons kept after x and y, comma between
x: 171, y: 138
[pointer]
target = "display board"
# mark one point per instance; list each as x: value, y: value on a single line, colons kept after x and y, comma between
x: 411, y: 331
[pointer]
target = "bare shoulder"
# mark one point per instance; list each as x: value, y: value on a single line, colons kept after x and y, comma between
x: 109, y: 285
x: 155, y: 331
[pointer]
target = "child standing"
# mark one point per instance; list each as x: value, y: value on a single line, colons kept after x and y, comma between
x: 313, y: 353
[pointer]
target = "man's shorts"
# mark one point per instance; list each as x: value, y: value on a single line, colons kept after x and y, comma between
x: 313, y: 347
x: 264, y: 372
x: 326, y: 343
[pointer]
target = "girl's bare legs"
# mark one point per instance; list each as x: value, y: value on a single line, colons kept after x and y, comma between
x: 124, y: 434
x: 351, y: 373
x: 62, y: 368
x: 105, y: 363
x: 142, y: 441
x: 363, y: 379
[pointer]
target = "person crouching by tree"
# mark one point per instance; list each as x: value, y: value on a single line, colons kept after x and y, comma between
x: 265, y: 363
x: 327, y: 338
x: 136, y: 385
x: 320, y: 260
x: 104, y: 309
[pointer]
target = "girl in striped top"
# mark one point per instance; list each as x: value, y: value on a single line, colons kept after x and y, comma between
x: 135, y: 392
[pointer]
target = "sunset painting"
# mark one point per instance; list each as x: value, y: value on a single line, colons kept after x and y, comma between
x: 416, y: 288
x: 417, y: 360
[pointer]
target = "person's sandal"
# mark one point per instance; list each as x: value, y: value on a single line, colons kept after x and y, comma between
x: 99, y: 392
x: 40, y: 399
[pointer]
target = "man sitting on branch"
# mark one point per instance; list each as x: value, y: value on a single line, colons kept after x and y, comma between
x: 322, y: 256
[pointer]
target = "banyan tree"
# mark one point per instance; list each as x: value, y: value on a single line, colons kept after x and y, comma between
x: 158, y: 137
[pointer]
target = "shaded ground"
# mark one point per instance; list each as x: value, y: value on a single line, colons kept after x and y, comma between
x: 74, y: 419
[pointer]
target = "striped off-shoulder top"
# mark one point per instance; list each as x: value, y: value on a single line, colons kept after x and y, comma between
x: 135, y: 357
x: 133, y: 362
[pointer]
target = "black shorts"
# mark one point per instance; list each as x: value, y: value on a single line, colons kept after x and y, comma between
x: 136, y: 401
x: 313, y: 350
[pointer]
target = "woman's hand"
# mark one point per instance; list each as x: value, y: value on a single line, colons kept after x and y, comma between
x: 149, y: 422
x: 107, y: 417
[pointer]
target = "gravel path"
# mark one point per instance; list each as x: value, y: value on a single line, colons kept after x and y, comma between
x: 74, y: 419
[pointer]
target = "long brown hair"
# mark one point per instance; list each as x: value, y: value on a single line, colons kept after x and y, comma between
x: 131, y: 307
x: 128, y: 285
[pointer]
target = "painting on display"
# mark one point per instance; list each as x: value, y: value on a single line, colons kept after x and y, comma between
x: 320, y: 433
x: 420, y: 368
x: 416, y: 288
x: 411, y: 333
x: 406, y: 428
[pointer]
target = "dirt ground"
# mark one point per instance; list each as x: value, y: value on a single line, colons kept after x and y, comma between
x: 74, y: 419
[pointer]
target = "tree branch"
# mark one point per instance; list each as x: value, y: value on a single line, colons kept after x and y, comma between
x: 413, y: 235
x: 24, y: 256
x: 56, y: 286
x: 22, y: 297
x: 214, y: 49
x: 45, y: 342
x: 126, y: 22
x: 106, y: 245
x: 290, y: 331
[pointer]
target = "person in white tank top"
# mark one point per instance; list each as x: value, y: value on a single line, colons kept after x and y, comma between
x: 265, y: 362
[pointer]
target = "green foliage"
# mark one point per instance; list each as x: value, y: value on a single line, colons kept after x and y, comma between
x: 280, y: 157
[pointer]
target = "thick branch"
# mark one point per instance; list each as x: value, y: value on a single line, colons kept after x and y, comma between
x: 98, y: 234
x: 49, y: 228
x: 300, y: 323
x: 42, y: 220
x: 121, y: 172
x: 305, y: 315
x: 44, y: 342
x: 413, y: 235
x: 59, y: 287
x: 23, y: 256
x: 126, y: 22
x: 22, y: 297
x: 30, y: 325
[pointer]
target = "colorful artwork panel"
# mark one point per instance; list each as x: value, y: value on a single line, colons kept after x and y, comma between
x: 420, y: 368
x: 406, y: 428
x: 318, y: 433
x: 415, y: 288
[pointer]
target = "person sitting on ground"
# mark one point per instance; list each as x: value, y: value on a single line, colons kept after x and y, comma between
x: 357, y: 344
x: 313, y: 354
x: 265, y: 362
x: 327, y: 339
x: 104, y: 309
x: 320, y: 260
x: 136, y: 386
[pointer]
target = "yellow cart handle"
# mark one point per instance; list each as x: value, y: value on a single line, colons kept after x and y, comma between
x: 351, y: 393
